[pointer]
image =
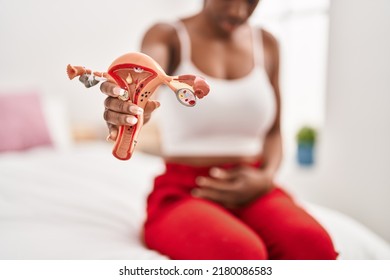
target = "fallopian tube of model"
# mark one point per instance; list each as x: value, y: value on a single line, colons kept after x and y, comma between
x: 139, y: 76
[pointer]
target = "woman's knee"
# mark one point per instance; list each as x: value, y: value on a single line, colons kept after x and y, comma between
x: 205, y: 245
x: 317, y: 244
x: 197, y: 229
x: 306, y: 243
x: 240, y: 249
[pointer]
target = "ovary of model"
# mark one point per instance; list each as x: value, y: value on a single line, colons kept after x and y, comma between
x: 139, y: 76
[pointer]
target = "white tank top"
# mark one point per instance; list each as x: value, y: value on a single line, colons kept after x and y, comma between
x: 232, y: 120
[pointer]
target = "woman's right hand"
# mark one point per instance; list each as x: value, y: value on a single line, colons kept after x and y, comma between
x: 118, y: 112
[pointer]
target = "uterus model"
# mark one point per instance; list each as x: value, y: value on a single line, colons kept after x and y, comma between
x: 138, y: 76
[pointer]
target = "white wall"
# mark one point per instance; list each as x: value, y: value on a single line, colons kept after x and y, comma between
x: 353, y: 166
x: 357, y: 135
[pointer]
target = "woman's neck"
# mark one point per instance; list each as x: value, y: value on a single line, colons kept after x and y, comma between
x: 205, y: 26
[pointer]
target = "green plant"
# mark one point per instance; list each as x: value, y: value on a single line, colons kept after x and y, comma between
x: 306, y: 135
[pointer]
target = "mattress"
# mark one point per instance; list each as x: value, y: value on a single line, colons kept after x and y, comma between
x: 82, y: 203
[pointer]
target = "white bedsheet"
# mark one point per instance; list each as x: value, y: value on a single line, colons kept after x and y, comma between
x: 85, y: 204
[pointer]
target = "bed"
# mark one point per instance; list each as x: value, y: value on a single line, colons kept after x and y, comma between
x: 79, y: 202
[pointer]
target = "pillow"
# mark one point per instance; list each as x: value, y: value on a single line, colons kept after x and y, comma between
x: 22, y: 122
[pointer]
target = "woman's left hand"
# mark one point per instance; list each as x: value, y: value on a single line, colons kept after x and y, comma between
x: 235, y: 187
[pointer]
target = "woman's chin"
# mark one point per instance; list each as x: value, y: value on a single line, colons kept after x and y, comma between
x: 228, y: 27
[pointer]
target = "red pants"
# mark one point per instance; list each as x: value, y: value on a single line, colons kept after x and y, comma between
x: 181, y: 226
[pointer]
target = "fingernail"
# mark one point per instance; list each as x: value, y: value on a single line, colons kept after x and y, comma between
x: 215, y: 172
x: 136, y: 110
x: 108, y: 138
x: 119, y: 91
x: 131, y: 120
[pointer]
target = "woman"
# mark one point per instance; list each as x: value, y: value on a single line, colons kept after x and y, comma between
x: 217, y: 199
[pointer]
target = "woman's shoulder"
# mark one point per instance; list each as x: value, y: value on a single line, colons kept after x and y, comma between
x: 162, y: 43
x: 269, y: 40
x: 161, y: 33
x: 270, y: 48
x: 169, y: 28
x: 161, y: 30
